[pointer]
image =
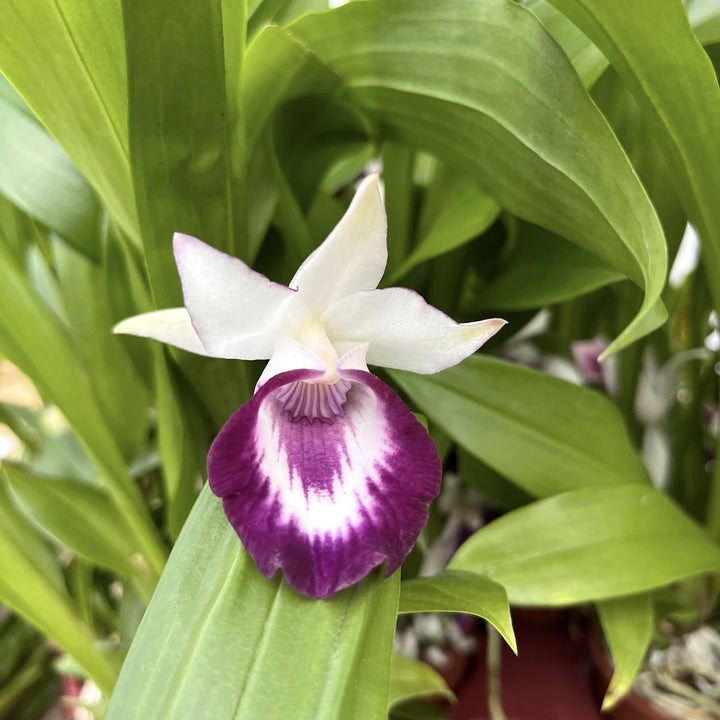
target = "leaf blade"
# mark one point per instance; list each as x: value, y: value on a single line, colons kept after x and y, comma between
x: 589, y: 544
x: 216, y: 625
x: 459, y: 591
x: 538, y: 431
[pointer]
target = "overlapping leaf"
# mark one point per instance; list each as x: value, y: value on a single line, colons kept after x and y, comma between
x: 544, y: 434
x: 457, y: 591
x: 76, y: 83
x: 473, y: 89
x: 589, y: 544
x: 628, y: 624
x: 31, y: 584
x: 217, y: 637
x: 674, y: 82
x: 28, y: 331
x: 38, y: 177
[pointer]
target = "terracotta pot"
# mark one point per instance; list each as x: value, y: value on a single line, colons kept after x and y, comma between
x: 632, y: 706
x: 550, y: 679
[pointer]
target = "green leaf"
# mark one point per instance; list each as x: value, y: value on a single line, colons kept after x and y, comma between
x: 544, y: 434
x: 589, y: 544
x: 85, y: 290
x: 587, y: 60
x: 20, y: 532
x: 277, y: 69
x: 634, y: 131
x: 66, y: 59
x: 653, y: 48
x: 457, y: 591
x: 27, y: 588
x: 398, y: 164
x: 216, y: 639
x: 32, y: 338
x: 704, y: 16
x: 472, y: 89
x: 280, y: 12
x: 455, y: 212
x: 628, y: 624
x: 180, y: 135
x: 175, y: 444
x: 543, y: 269
x: 38, y: 177
x: 77, y: 515
x: 415, y: 679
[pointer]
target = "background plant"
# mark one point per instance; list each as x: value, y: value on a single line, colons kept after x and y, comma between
x: 545, y: 155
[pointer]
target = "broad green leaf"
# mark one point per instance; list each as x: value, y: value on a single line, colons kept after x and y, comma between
x: 455, y: 212
x: 472, y: 89
x: 219, y: 640
x: 415, y: 679
x: 590, y: 544
x: 628, y: 624
x: 32, y: 338
x: 27, y: 588
x: 179, y: 132
x: 77, y: 515
x: 544, y: 434
x: 652, y: 46
x: 457, y: 591
x: 543, y: 269
x: 66, y: 59
x: 38, y: 177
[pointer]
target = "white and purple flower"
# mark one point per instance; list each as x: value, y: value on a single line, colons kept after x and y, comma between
x: 325, y: 472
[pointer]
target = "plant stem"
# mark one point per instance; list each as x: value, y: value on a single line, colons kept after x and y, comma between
x: 493, y: 662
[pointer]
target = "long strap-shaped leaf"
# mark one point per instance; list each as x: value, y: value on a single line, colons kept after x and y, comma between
x: 180, y: 127
x: 652, y: 46
x: 220, y: 641
x: 544, y: 434
x: 66, y: 59
x: 32, y: 338
x: 30, y: 584
x: 483, y: 85
x: 38, y: 177
x: 589, y: 544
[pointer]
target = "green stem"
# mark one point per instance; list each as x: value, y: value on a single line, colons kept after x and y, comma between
x: 493, y: 662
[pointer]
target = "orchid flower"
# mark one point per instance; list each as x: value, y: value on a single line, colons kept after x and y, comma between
x: 324, y: 472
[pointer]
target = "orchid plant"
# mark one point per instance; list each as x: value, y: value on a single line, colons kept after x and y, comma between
x: 203, y: 536
x: 325, y: 473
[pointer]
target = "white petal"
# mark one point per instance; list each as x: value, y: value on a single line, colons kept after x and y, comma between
x: 405, y: 332
x: 173, y: 327
x: 354, y: 255
x: 353, y: 356
x: 235, y: 310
